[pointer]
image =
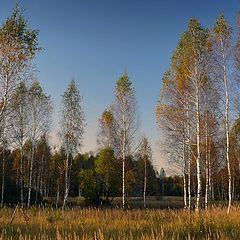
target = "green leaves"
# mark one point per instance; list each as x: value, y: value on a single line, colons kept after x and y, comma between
x: 16, y: 33
x: 73, y: 120
x: 191, y: 44
x: 108, y: 168
x: 107, y: 117
x: 221, y: 28
x: 124, y: 86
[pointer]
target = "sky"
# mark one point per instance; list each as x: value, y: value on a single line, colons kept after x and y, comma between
x: 95, y: 41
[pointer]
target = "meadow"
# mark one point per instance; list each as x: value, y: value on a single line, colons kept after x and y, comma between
x: 114, y: 223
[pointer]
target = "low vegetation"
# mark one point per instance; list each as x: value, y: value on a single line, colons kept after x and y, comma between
x: 94, y: 223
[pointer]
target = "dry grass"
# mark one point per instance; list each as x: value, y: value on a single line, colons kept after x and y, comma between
x: 118, y: 224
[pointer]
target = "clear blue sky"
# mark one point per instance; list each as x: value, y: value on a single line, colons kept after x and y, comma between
x: 94, y: 41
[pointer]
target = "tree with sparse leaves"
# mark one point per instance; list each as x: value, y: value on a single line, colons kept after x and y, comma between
x: 18, y: 47
x: 39, y: 116
x: 126, y: 120
x: 72, y: 129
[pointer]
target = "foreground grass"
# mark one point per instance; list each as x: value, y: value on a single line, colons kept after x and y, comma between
x: 40, y: 223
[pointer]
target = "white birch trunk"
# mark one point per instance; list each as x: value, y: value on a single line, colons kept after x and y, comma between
x: 3, y: 176
x: 2, y: 131
x: 199, y: 183
x: 57, y: 200
x: 189, y: 160
x: 184, y: 191
x: 227, y: 128
x: 30, y: 176
x: 123, y: 172
x: 66, y: 182
x: 21, y: 176
x: 184, y: 174
x: 123, y: 154
x: 145, y: 183
x: 206, y: 172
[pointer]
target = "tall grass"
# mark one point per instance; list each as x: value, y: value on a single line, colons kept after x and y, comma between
x: 91, y: 223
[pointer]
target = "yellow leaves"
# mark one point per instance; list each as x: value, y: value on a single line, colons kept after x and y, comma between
x: 168, y: 112
x: 221, y: 27
x: 158, y: 113
x: 209, y: 45
x: 162, y: 110
x: 107, y: 118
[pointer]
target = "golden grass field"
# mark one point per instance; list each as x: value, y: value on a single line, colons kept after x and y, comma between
x: 93, y: 223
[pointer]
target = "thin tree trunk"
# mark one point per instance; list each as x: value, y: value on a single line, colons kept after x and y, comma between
x: 66, y: 182
x: 184, y: 191
x: 189, y: 160
x: 206, y: 168
x: 123, y: 183
x: 212, y: 191
x: 189, y: 188
x: 145, y: 183
x: 30, y: 176
x: 199, y: 183
x: 124, y: 159
x: 227, y: 128
x: 41, y: 173
x: 184, y: 173
x: 3, y: 175
x: 233, y: 187
x: 57, y: 200
x: 2, y: 134
x: 210, y: 185
x: 21, y: 177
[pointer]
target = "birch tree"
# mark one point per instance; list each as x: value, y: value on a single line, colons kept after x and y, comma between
x: 182, y: 102
x: 194, y: 47
x: 39, y: 110
x: 19, y: 126
x: 172, y: 120
x: 18, y: 47
x: 72, y: 129
x: 106, y: 130
x: 126, y: 118
x: 222, y: 45
x: 145, y: 153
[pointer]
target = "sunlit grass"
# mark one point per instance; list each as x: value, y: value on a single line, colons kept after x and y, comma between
x: 94, y: 223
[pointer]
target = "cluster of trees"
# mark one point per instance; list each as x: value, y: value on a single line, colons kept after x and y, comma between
x: 31, y: 167
x: 24, y: 109
x: 95, y: 177
x: 198, y: 111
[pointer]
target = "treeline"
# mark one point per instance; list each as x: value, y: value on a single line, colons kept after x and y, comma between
x: 198, y: 111
x: 96, y: 178
x: 30, y: 168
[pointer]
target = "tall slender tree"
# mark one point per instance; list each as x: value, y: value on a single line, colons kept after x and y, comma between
x: 106, y: 130
x: 182, y: 98
x: 39, y: 110
x: 222, y: 46
x: 72, y: 129
x: 126, y: 118
x: 19, y: 126
x: 145, y: 153
x: 18, y: 47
